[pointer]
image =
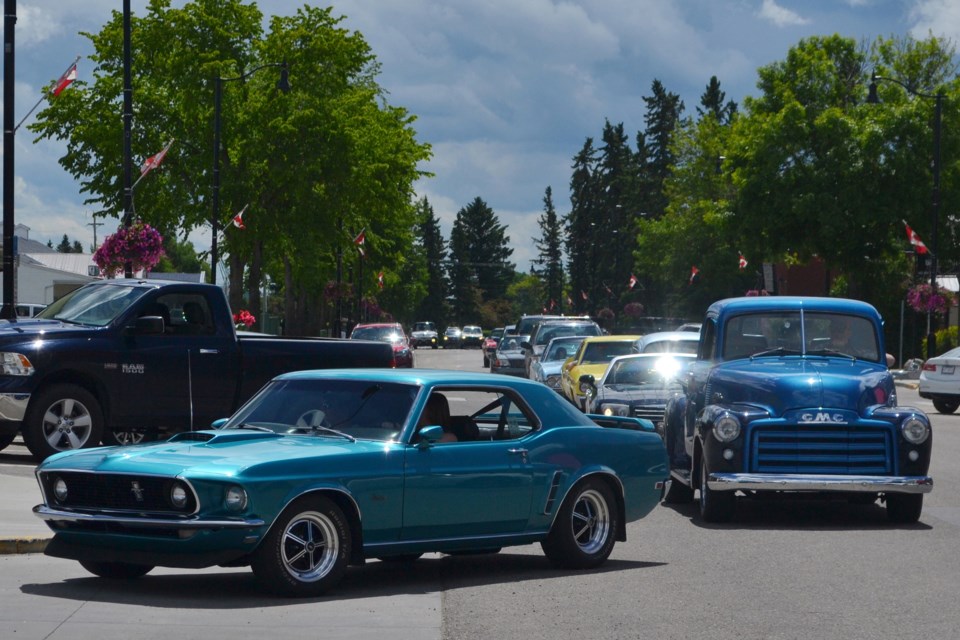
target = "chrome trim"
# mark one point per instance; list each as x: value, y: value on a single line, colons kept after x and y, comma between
x: 55, y: 515
x: 13, y: 406
x: 533, y: 535
x: 808, y: 482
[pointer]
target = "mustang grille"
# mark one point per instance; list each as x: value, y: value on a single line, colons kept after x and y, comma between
x: 825, y: 449
x: 118, y: 492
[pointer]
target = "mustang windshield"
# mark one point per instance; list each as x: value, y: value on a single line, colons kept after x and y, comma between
x: 793, y: 333
x: 96, y: 306
x: 362, y: 409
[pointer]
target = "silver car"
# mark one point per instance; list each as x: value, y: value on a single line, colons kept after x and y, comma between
x: 547, y: 369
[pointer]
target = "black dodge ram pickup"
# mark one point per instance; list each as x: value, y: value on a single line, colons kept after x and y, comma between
x: 122, y: 360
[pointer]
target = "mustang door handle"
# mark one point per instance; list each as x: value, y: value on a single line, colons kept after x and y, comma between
x: 521, y: 452
x: 209, y: 351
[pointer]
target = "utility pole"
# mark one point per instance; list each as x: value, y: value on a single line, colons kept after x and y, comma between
x: 95, y: 224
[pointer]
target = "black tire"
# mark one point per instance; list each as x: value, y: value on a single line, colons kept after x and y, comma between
x: 904, y: 508
x: 62, y: 417
x: 6, y: 440
x: 677, y: 493
x: 486, y: 362
x: 715, y: 506
x: 584, y: 532
x: 306, y: 551
x: 946, y: 406
x: 116, y: 570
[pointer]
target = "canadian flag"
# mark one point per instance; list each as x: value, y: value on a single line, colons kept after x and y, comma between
x: 743, y: 262
x: 154, y: 161
x: 238, y: 219
x: 633, y: 281
x: 68, y: 76
x: 360, y: 239
x: 583, y: 294
x: 693, y: 274
x: 915, y: 239
x: 380, y: 279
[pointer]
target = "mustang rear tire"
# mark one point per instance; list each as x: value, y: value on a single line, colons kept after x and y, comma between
x: 116, y: 570
x: 946, y: 406
x: 306, y: 551
x: 904, y: 508
x: 61, y: 418
x: 715, y: 506
x: 584, y: 531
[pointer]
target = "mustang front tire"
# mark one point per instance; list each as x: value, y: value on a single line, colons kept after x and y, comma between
x: 306, y: 551
x: 584, y: 532
x: 62, y: 418
x: 116, y: 570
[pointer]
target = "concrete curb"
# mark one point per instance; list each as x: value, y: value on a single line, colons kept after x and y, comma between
x: 26, y: 544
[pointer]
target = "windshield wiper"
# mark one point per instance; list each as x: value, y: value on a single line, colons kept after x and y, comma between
x: 832, y: 352
x: 331, y: 431
x: 779, y: 351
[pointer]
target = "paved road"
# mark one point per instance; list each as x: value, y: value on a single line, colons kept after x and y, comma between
x: 784, y: 569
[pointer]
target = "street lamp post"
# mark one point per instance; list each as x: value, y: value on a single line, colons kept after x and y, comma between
x: 873, y: 98
x: 283, y: 85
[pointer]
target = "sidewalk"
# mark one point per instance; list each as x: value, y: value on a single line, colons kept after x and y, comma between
x: 20, y: 530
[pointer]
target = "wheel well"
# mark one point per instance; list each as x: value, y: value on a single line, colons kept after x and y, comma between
x: 79, y: 379
x: 350, y: 512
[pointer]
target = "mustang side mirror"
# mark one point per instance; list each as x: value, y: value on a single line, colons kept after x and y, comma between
x: 430, y: 435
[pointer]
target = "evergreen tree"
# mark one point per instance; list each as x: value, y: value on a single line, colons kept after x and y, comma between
x: 550, y: 254
x: 712, y: 103
x: 663, y: 114
x: 433, y: 306
x: 479, y: 254
x: 77, y: 247
x: 580, y: 226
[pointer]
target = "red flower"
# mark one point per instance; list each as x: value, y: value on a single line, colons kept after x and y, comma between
x: 243, y: 319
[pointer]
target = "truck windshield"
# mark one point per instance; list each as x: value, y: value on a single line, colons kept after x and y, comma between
x: 96, y: 305
x: 792, y: 333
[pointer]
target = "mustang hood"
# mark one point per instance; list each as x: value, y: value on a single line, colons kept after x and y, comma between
x: 213, y: 453
x: 782, y: 384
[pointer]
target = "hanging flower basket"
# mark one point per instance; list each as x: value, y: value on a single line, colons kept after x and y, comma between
x: 139, y: 244
x: 243, y: 320
x: 633, y: 309
x: 922, y: 299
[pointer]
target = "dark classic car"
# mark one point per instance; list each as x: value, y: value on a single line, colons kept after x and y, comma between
x: 451, y: 338
x: 792, y: 394
x: 508, y: 358
x: 638, y: 385
x: 323, y: 469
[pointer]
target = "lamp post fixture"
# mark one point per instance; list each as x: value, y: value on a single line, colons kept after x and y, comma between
x: 283, y: 85
x: 935, y: 204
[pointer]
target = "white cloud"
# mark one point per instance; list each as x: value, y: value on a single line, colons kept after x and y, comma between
x: 780, y: 16
x: 940, y: 17
x: 37, y: 25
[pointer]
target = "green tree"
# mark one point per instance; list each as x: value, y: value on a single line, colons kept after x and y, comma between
x: 432, y: 306
x: 580, y: 225
x: 550, y: 253
x: 65, y: 246
x: 712, y: 103
x: 664, y: 110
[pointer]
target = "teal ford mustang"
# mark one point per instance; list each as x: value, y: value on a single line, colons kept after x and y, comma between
x: 323, y: 469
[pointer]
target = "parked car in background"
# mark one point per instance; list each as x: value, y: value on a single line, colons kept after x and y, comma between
x: 525, y: 324
x: 690, y: 326
x: 940, y: 381
x: 28, y: 309
x: 547, y: 368
x: 490, y: 345
x: 424, y: 334
x: 779, y: 400
x: 324, y: 469
x: 390, y: 332
x: 471, y: 336
x: 638, y: 385
x: 545, y: 330
x: 451, y: 338
x: 508, y: 358
x: 592, y: 357
x: 668, y: 342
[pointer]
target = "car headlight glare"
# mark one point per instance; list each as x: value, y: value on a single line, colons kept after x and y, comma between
x: 915, y: 430
x: 179, y: 496
x: 15, y: 364
x: 726, y: 429
x: 615, y: 410
x: 235, y: 499
x: 60, y: 490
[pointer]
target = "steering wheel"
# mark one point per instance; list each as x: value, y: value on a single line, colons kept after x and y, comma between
x: 311, y: 419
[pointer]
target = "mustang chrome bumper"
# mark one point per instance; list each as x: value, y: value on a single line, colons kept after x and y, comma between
x: 55, y: 515
x: 806, y: 482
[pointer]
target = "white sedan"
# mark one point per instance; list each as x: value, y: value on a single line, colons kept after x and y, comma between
x: 940, y: 381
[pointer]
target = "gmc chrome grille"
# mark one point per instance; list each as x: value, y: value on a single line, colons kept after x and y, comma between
x: 825, y: 449
x: 117, y: 492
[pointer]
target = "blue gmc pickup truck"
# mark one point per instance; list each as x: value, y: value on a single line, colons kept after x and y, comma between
x: 122, y: 360
x: 792, y: 394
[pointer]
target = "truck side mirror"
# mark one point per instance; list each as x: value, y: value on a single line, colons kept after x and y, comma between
x: 148, y: 325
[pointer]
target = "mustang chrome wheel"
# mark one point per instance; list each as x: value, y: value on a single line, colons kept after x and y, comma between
x: 584, y: 531
x: 591, y: 521
x: 310, y: 547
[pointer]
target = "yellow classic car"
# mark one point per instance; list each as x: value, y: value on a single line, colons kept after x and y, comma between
x: 593, y: 357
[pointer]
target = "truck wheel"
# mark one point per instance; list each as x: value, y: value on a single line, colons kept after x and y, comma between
x: 677, y: 493
x: 6, y: 440
x: 584, y: 532
x: 486, y: 362
x: 116, y: 570
x: 904, y: 508
x: 715, y: 506
x: 946, y: 406
x: 122, y: 438
x: 61, y: 418
x: 306, y: 551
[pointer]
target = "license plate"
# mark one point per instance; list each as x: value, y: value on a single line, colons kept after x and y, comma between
x: 947, y: 370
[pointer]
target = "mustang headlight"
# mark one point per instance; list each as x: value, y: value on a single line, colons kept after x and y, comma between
x: 235, y: 499
x: 15, y: 364
x: 726, y: 429
x: 915, y: 430
x: 615, y: 409
x: 60, y: 491
x: 179, y: 496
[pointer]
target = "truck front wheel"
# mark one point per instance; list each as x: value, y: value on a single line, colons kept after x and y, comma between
x: 61, y: 418
x: 715, y: 506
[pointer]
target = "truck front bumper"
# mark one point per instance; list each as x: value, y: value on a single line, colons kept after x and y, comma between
x: 808, y: 482
x: 13, y: 408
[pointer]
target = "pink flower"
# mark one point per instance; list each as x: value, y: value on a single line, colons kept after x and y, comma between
x: 922, y: 299
x: 139, y: 244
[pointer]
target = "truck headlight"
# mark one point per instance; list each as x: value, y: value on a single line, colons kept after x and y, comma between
x: 15, y: 364
x: 915, y: 430
x: 235, y: 499
x: 726, y: 429
x: 615, y: 410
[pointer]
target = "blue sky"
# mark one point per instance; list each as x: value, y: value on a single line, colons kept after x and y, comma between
x: 506, y: 91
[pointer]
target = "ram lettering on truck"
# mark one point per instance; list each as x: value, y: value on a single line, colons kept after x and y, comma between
x: 122, y: 360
